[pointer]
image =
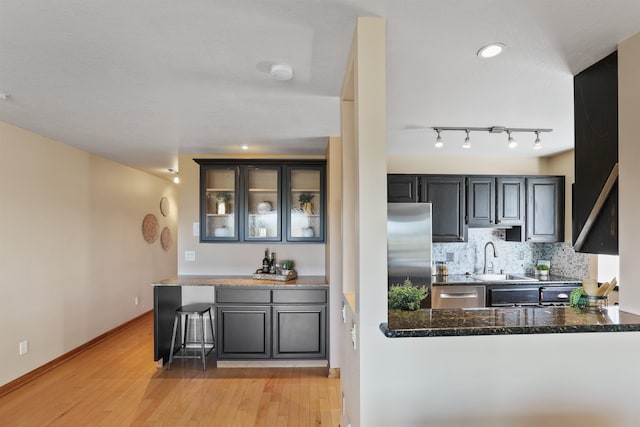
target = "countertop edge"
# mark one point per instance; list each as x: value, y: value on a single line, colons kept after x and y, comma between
x: 240, y: 281
x: 514, y: 330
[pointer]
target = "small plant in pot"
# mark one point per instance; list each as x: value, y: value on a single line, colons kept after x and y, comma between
x: 543, y: 269
x: 286, y: 266
x: 406, y: 296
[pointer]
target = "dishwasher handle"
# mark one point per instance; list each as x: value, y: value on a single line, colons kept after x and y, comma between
x: 459, y: 295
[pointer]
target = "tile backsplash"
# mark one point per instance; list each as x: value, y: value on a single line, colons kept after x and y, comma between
x: 512, y: 257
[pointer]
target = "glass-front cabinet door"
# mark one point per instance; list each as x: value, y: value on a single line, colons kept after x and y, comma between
x: 220, y: 203
x: 305, y: 215
x: 263, y: 216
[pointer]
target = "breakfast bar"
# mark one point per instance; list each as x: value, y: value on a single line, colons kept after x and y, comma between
x: 506, y: 321
x: 253, y: 318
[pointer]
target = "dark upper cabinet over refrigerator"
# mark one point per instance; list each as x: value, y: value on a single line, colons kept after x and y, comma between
x: 402, y: 188
x: 446, y: 193
x: 596, y: 154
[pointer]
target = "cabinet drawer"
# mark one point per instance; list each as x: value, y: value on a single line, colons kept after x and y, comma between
x: 513, y: 296
x: 556, y: 293
x: 247, y: 296
x: 299, y: 296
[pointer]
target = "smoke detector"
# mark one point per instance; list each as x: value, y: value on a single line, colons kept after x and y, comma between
x: 281, y: 72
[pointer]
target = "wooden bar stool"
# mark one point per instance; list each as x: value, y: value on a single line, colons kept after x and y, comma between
x: 184, y: 352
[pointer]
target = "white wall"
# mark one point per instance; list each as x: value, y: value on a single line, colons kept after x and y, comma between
x: 629, y: 178
x: 72, y: 254
x: 333, y: 254
x: 467, y: 165
x: 230, y: 258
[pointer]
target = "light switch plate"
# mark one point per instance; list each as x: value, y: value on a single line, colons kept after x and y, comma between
x: 196, y: 229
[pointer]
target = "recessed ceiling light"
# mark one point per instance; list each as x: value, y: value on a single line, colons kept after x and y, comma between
x: 490, y: 50
x: 245, y: 147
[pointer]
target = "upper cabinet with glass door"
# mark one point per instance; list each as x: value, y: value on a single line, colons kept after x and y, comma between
x: 262, y: 200
x: 219, y: 202
x: 305, y: 214
x: 263, y: 220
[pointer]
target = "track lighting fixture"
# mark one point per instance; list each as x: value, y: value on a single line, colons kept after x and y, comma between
x: 176, y: 178
x: 439, y: 143
x: 511, y: 142
x: 467, y: 141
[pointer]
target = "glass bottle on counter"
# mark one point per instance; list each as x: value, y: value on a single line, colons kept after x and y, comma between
x: 272, y: 263
x: 265, y: 261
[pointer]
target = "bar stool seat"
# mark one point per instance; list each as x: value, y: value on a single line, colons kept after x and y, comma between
x: 204, y: 348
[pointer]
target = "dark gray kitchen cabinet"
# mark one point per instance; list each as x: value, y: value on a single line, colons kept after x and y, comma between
x: 243, y: 332
x: 402, y: 188
x: 262, y: 200
x: 510, y: 200
x: 258, y: 323
x: 446, y: 193
x: 299, y: 331
x: 545, y: 209
x: 481, y: 201
x: 513, y: 295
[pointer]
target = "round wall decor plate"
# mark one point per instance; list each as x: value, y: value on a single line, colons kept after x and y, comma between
x: 166, y: 239
x: 164, y: 206
x: 150, y: 228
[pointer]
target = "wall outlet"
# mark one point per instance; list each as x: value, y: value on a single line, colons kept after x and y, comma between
x: 450, y: 257
x: 24, y: 347
x: 136, y: 301
x: 189, y: 255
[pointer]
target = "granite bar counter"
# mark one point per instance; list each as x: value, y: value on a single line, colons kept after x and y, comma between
x: 192, y: 280
x: 506, y: 321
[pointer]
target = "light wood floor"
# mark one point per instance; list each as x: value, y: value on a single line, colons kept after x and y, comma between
x: 116, y: 383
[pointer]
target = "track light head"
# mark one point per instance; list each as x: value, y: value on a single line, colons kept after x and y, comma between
x: 511, y: 142
x: 439, y: 143
x: 537, y: 144
x: 467, y: 141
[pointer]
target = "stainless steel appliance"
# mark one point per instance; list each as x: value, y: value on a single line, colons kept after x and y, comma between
x: 409, y: 244
x: 462, y: 296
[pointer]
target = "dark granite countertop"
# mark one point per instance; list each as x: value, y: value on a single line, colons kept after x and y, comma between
x: 506, y: 321
x: 464, y: 279
x: 189, y: 280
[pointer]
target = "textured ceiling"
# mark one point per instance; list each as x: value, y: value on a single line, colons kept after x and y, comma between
x: 143, y: 81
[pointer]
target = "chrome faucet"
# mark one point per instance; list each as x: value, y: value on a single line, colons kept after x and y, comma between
x: 485, y: 270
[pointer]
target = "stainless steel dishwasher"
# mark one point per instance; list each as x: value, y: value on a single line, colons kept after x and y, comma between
x: 458, y: 296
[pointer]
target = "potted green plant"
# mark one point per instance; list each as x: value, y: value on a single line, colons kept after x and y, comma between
x: 286, y: 265
x: 305, y: 202
x: 406, y: 296
x: 543, y: 269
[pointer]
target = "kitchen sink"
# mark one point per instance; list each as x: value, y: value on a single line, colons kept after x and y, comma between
x: 503, y: 278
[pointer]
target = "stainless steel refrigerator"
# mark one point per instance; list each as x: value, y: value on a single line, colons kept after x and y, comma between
x: 409, y: 244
